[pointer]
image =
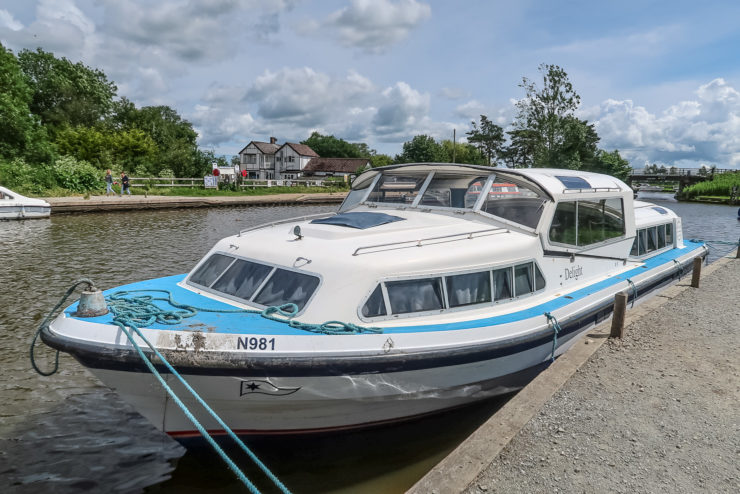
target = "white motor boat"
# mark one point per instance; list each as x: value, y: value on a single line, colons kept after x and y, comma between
x: 453, y: 283
x: 14, y: 206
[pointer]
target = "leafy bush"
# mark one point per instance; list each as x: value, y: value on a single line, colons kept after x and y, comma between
x: 20, y: 176
x: 721, y: 185
x: 77, y: 176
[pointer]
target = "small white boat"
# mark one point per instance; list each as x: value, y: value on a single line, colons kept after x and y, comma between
x: 454, y: 283
x: 14, y: 206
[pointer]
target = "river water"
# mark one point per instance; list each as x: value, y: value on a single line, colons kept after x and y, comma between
x: 68, y: 433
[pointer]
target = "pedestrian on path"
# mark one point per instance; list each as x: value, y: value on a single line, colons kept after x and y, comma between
x: 108, y: 183
x: 124, y: 184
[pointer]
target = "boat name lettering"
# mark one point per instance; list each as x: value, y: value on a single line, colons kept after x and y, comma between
x: 255, y: 343
x: 573, y: 273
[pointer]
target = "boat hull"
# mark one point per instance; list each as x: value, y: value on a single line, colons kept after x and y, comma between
x: 24, y: 212
x: 318, y: 394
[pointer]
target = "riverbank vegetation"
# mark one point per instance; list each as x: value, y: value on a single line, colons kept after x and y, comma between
x: 64, y: 125
x: 720, y: 187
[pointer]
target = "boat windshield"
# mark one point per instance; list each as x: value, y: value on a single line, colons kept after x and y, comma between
x: 506, y: 196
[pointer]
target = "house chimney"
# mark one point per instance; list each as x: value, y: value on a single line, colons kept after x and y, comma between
x: 273, y: 140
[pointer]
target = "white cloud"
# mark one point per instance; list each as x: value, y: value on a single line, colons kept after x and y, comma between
x: 7, y: 20
x: 705, y: 130
x: 373, y: 25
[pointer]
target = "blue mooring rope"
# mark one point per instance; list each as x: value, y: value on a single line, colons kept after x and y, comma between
x: 122, y: 322
x: 634, y: 291
x: 556, y: 330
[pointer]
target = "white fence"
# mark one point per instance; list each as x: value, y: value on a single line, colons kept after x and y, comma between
x: 198, y: 182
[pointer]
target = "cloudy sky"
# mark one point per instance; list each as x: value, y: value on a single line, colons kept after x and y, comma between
x: 660, y: 79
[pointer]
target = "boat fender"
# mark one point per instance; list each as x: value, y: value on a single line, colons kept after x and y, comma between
x: 92, y: 303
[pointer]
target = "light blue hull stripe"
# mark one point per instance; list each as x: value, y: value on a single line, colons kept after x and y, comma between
x: 256, y: 324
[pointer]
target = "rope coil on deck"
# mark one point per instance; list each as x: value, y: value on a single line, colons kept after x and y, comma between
x: 556, y: 330
x: 144, y: 312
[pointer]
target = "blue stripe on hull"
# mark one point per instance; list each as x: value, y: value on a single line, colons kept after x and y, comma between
x: 240, y: 364
x: 255, y: 324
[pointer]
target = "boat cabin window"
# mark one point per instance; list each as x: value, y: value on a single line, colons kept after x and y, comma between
x: 397, y: 189
x: 652, y: 238
x: 210, y: 270
x: 287, y: 287
x: 587, y: 222
x: 375, y: 305
x: 460, y: 290
x: 515, y: 201
x: 468, y: 289
x: 502, y: 283
x: 415, y: 295
x: 242, y: 279
x: 355, y: 196
x: 453, y: 190
x: 254, y: 282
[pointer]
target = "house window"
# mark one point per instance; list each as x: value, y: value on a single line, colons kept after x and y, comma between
x: 250, y: 159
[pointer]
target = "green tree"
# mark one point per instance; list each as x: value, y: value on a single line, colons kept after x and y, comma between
x: 332, y: 147
x: 421, y: 149
x: 66, y: 93
x: 488, y: 137
x: 173, y: 137
x: 546, y: 116
x: 611, y: 163
x: 463, y: 152
x: 21, y: 134
x: 378, y: 160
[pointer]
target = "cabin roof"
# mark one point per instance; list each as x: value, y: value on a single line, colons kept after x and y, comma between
x: 558, y: 183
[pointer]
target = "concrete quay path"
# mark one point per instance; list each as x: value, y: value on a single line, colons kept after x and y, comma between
x: 658, y: 411
x: 127, y: 203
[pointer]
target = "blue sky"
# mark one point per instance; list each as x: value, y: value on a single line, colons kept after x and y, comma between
x: 659, y: 79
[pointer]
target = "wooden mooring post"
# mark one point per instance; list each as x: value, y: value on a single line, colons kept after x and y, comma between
x: 620, y: 308
x: 696, y: 273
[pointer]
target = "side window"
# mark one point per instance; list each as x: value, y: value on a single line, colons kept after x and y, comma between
x: 652, y: 239
x: 669, y: 233
x: 599, y: 220
x: 375, y: 305
x: 468, y: 289
x: 635, y: 250
x: 539, y: 279
x: 210, y: 270
x: 642, y: 235
x: 285, y: 287
x: 415, y: 295
x: 523, y: 279
x: 502, y: 284
x: 661, y: 236
x: 584, y: 223
x: 563, y: 227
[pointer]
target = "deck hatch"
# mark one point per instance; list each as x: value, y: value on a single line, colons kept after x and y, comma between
x: 361, y: 220
x: 573, y: 182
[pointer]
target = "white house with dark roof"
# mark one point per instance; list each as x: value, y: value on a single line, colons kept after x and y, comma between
x: 258, y: 159
x: 269, y: 160
x: 291, y: 158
